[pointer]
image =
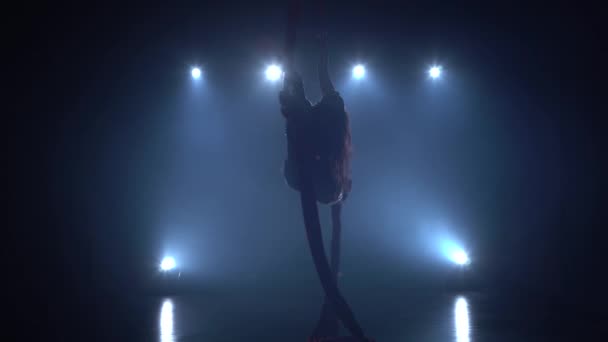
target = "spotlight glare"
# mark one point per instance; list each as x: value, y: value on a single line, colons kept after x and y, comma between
x: 167, y: 264
x: 358, y: 71
x: 460, y: 257
x: 273, y: 72
x: 196, y: 73
x: 435, y: 72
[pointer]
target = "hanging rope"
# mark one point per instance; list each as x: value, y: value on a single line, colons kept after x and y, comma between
x: 328, y: 324
x: 293, y: 16
x: 308, y: 199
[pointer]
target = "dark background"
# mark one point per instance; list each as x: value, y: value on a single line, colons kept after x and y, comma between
x: 121, y: 158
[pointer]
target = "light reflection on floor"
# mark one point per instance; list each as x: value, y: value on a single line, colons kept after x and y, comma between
x: 461, y: 316
x: 166, y: 322
x: 462, y: 326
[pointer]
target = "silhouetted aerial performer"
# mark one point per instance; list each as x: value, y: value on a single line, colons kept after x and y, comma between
x: 317, y: 165
x: 326, y: 134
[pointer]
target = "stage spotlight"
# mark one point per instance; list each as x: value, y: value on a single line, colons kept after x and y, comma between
x: 167, y: 264
x: 460, y: 257
x: 435, y: 72
x: 196, y: 73
x: 273, y: 73
x: 358, y: 71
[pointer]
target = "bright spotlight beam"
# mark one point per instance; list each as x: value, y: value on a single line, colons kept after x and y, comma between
x: 435, y: 72
x: 273, y: 73
x: 167, y: 264
x: 358, y: 71
x: 196, y: 73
